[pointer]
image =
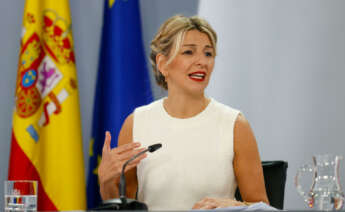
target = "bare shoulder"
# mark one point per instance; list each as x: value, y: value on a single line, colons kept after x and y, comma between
x: 242, y: 130
x: 245, y: 145
x: 126, y: 132
x: 241, y: 122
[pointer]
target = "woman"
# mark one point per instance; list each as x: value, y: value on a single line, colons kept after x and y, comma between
x: 208, y: 148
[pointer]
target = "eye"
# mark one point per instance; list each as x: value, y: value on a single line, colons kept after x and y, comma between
x: 188, y: 52
x: 209, y: 54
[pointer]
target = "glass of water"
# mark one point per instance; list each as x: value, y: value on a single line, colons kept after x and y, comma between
x: 20, y: 195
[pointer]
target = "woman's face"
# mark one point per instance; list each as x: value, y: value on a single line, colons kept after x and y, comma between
x: 191, y: 69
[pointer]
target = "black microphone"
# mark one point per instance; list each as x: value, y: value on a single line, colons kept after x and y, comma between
x: 124, y: 203
x: 122, y: 184
x: 154, y: 147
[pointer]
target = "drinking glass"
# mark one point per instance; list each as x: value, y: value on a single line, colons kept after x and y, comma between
x: 20, y: 195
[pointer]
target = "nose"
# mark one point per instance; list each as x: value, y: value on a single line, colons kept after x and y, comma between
x: 202, y: 60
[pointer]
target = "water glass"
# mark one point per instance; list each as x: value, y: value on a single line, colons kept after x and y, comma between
x: 20, y: 195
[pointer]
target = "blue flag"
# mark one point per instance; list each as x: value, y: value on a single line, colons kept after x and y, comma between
x: 122, y: 84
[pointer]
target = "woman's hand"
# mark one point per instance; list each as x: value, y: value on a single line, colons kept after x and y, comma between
x: 212, y: 203
x: 110, y: 168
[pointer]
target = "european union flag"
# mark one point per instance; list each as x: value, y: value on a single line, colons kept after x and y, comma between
x: 123, y: 82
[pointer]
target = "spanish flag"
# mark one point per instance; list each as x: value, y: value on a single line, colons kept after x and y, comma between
x: 46, y: 136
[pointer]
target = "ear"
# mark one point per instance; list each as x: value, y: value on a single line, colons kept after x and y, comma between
x: 161, y: 64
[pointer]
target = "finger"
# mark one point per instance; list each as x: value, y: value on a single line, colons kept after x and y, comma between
x: 209, y: 199
x: 129, y: 154
x: 130, y: 167
x: 126, y: 147
x: 137, y: 160
x: 208, y: 206
x: 134, y: 163
x: 202, y: 206
x: 205, y: 203
x: 198, y: 205
x: 209, y: 203
x: 118, y: 164
x: 107, y: 140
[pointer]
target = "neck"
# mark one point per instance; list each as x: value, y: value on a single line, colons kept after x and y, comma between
x: 183, y: 106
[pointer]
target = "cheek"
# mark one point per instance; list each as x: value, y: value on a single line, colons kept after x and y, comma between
x: 211, y: 66
x: 178, y: 66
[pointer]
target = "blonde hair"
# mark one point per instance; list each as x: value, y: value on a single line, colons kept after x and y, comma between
x: 171, y: 32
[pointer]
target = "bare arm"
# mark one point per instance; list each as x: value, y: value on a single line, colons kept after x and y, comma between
x: 113, y: 159
x: 247, y: 167
x: 247, y: 163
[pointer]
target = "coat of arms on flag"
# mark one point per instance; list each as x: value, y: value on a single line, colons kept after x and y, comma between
x: 46, y: 137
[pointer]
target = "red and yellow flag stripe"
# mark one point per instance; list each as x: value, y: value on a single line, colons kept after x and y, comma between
x: 46, y: 138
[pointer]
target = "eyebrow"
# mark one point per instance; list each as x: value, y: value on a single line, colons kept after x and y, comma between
x: 193, y: 45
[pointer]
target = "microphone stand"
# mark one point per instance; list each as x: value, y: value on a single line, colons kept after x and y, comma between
x: 123, y: 203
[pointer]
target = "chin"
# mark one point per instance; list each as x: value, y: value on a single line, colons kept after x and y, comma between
x: 197, y: 90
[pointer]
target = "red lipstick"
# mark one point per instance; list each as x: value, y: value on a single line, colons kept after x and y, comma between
x: 198, y: 76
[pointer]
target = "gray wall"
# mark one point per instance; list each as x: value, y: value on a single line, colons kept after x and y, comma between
x: 285, y: 70
x: 282, y: 63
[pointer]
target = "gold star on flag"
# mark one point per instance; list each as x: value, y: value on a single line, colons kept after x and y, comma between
x: 91, y: 147
x: 95, y: 171
x: 111, y: 3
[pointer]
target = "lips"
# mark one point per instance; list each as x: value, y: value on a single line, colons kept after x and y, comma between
x: 198, y: 76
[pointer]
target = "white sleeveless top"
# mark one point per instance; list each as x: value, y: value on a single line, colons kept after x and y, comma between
x: 195, y: 160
